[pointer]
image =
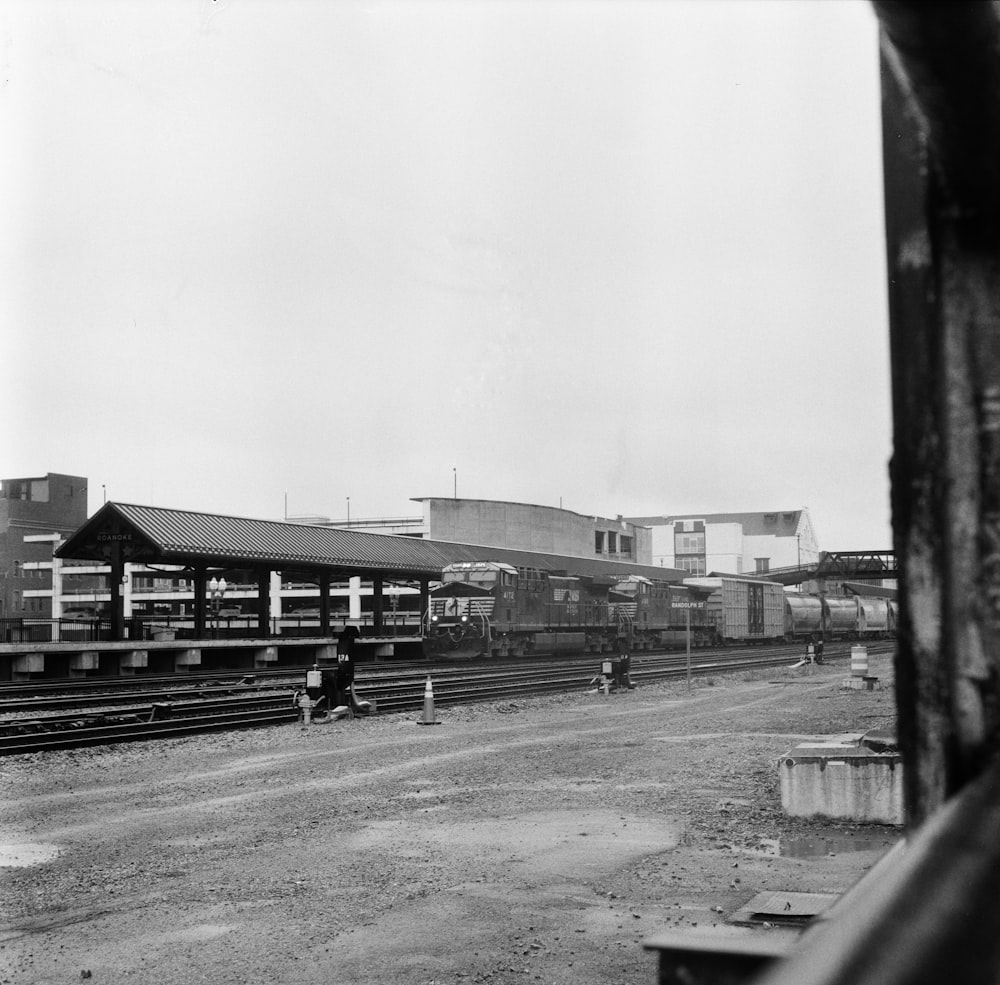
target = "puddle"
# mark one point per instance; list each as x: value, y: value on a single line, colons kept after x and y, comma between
x: 819, y: 846
x: 27, y: 853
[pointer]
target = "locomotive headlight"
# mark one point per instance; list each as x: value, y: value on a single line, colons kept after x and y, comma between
x: 465, y: 618
x: 435, y: 618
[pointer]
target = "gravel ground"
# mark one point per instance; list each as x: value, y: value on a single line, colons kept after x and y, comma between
x: 542, y: 839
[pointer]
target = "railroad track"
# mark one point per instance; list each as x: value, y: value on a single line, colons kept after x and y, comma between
x: 174, y: 712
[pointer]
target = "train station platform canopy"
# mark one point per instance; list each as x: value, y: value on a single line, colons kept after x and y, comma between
x: 148, y: 534
x: 121, y: 533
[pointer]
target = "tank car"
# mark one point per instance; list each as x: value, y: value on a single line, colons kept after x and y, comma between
x: 842, y: 616
x: 803, y: 617
x: 874, y: 618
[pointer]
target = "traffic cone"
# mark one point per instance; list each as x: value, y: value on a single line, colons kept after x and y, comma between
x: 428, y: 716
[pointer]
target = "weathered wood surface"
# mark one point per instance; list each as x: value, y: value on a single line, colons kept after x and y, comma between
x: 941, y: 143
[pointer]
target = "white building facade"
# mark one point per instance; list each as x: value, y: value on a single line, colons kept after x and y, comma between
x: 733, y: 543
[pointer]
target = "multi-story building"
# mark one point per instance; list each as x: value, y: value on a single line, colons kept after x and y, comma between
x: 36, y: 513
x: 527, y: 527
x: 734, y: 543
x: 515, y: 526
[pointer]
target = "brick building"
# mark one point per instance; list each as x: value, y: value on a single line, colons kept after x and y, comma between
x: 35, y: 514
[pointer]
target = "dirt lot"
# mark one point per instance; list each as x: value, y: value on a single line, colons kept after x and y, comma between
x: 537, y: 840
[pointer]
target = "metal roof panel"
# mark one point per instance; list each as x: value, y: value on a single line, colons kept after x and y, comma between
x: 183, y: 536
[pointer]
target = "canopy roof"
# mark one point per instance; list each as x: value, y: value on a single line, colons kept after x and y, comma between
x: 150, y: 535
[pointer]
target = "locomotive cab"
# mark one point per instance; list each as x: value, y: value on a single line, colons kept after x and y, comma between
x: 463, y: 608
x: 631, y: 596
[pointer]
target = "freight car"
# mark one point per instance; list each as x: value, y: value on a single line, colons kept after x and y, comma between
x: 745, y: 610
x: 819, y: 617
x: 805, y: 618
x: 487, y: 608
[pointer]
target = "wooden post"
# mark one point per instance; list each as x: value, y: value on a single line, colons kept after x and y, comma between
x: 941, y: 146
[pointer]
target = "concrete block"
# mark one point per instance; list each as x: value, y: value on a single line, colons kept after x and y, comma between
x: 843, y: 781
x: 188, y: 658
x: 134, y: 660
x: 84, y: 661
x: 325, y: 653
x: 265, y: 655
x: 29, y: 663
x: 861, y: 683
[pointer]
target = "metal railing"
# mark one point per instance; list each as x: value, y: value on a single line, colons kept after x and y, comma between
x: 172, y: 627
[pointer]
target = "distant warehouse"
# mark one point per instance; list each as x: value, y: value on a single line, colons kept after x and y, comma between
x: 736, y: 543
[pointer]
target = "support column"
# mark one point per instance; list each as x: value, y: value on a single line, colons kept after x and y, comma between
x: 324, y: 603
x: 425, y: 602
x: 941, y: 148
x: 200, y: 582
x: 275, y: 595
x: 377, y: 604
x: 264, y: 601
x: 117, y: 593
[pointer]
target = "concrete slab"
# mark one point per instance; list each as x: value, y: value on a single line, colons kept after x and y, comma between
x: 841, y: 781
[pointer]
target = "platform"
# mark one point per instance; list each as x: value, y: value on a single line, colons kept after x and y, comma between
x: 100, y: 658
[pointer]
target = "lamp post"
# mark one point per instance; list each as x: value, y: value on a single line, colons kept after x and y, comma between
x: 217, y: 588
x: 348, y: 510
x: 798, y: 549
x: 455, y: 476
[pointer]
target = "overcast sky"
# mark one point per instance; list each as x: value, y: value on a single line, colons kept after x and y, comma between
x: 623, y: 257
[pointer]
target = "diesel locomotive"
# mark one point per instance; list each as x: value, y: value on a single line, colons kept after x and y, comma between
x: 488, y: 608
x: 493, y: 609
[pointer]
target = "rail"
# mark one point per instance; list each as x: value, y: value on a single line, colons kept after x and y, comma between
x: 399, y: 693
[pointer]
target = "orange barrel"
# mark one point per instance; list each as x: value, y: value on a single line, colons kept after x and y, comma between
x: 859, y: 661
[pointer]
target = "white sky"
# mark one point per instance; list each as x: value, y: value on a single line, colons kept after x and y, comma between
x: 623, y: 256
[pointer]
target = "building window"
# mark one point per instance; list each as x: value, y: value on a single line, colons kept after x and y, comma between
x: 693, y: 565
x: 598, y: 541
x: 626, y: 545
x: 612, y: 543
x: 763, y: 564
x: 689, y: 543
